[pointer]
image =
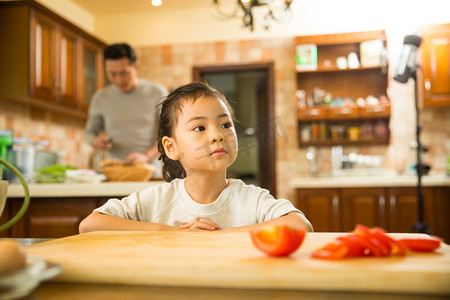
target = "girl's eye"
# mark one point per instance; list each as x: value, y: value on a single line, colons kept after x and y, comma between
x: 227, y: 125
x: 199, y: 128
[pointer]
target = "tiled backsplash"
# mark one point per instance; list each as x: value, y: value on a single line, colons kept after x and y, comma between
x: 172, y: 65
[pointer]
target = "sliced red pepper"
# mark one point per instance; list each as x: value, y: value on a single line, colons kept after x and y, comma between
x: 421, y: 244
x: 395, y: 247
x: 278, y: 240
x: 372, y: 244
x: 334, y: 250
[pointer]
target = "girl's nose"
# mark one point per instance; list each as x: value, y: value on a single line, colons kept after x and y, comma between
x: 218, y: 137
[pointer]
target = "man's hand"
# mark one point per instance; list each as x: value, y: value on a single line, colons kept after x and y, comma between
x: 200, y: 224
x: 101, y: 142
x: 135, y: 157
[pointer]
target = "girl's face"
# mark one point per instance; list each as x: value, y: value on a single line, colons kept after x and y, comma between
x: 204, y: 137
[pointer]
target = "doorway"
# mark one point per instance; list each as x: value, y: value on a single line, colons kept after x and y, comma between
x: 249, y: 89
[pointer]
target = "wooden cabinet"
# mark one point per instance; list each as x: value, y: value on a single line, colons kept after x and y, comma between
x: 322, y: 208
x: 5, y: 217
x: 328, y: 113
x: 394, y: 209
x: 435, y: 60
x: 403, y: 208
x: 52, y: 217
x: 46, y: 61
x: 363, y: 206
x: 92, y: 76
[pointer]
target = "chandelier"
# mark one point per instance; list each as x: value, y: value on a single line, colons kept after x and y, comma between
x: 243, y: 9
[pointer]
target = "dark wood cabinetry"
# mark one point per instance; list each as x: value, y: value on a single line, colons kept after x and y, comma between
x: 322, y: 207
x: 435, y: 60
x: 392, y: 208
x: 50, y: 217
x: 363, y: 206
x: 46, y: 61
x: 329, y: 124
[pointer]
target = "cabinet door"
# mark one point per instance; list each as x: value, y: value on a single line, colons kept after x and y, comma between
x: 321, y: 207
x: 92, y: 72
x: 441, y: 213
x: 66, y: 82
x: 5, y: 216
x: 52, y: 217
x: 366, y: 206
x: 403, y: 208
x: 43, y: 52
x: 436, y: 64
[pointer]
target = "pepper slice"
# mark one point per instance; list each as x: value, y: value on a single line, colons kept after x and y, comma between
x: 421, y: 244
x: 396, y: 248
x: 364, y: 241
x: 278, y: 240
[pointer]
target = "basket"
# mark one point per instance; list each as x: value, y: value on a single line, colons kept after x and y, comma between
x: 123, y: 172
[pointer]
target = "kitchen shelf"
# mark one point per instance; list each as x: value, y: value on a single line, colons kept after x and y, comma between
x: 333, y: 69
x: 343, y: 142
x: 370, y: 122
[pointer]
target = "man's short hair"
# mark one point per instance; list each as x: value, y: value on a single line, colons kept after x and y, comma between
x: 118, y: 51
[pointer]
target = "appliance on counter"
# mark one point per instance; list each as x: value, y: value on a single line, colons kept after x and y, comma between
x: 28, y: 157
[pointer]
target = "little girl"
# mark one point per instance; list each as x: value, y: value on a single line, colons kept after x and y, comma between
x: 197, y: 141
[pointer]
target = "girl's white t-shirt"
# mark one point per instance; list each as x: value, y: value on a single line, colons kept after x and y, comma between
x: 169, y: 203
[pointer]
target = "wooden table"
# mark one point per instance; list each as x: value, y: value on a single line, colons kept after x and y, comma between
x: 68, y: 291
x: 204, y: 263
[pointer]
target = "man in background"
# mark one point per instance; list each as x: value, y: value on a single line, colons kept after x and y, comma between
x: 123, y: 116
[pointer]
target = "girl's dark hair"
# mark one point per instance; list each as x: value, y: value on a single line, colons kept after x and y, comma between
x: 170, y: 108
x: 118, y: 51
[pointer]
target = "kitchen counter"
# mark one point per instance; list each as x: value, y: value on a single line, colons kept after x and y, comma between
x: 103, y: 189
x: 106, y: 189
x: 369, y: 181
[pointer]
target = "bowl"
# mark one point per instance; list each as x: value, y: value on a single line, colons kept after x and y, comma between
x: 127, y: 172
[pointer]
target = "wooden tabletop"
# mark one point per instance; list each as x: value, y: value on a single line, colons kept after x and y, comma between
x: 221, y: 260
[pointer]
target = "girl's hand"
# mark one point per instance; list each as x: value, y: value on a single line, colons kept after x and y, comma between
x: 200, y: 224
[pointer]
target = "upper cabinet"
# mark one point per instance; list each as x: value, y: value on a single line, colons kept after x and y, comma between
x: 435, y: 81
x: 341, y: 89
x: 49, y: 63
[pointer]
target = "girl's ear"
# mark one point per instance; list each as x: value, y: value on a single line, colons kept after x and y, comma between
x: 170, y: 147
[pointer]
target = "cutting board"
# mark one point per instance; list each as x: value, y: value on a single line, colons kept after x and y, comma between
x: 229, y: 260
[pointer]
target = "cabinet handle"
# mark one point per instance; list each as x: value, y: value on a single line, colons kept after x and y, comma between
x: 427, y: 87
x: 393, y: 204
x: 335, y: 205
x: 382, y: 204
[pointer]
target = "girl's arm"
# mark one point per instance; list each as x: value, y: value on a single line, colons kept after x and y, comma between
x: 292, y: 219
x: 98, y: 221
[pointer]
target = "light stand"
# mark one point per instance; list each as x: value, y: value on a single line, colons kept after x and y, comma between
x: 420, y: 226
x: 407, y: 69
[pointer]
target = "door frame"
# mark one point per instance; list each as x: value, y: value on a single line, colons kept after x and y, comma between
x: 266, y: 117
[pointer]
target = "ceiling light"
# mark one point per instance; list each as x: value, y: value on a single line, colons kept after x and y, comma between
x: 156, y: 2
x: 277, y: 10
